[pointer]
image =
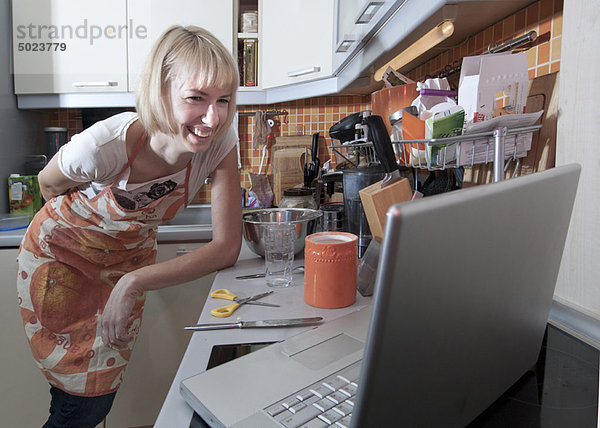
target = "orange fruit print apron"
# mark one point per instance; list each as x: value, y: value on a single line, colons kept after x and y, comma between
x: 74, y: 252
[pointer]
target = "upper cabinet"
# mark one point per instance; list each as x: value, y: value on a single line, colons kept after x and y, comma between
x: 157, y: 15
x: 87, y: 46
x: 356, y: 21
x: 296, y: 40
x: 63, y: 46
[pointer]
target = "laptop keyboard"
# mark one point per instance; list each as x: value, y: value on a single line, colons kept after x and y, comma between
x: 328, y: 402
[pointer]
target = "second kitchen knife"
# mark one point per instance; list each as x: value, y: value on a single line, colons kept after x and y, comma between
x: 291, y: 322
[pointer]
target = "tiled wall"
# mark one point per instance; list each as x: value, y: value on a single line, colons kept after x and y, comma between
x: 543, y: 16
x: 308, y: 116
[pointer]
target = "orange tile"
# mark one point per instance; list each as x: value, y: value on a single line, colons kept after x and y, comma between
x: 542, y: 70
x: 533, y: 14
x: 543, y: 54
x: 546, y: 9
x: 554, y: 67
x: 555, y: 49
x: 557, y: 21
x: 520, y: 21
x: 508, y: 27
x: 531, y: 57
x: 545, y: 27
x: 498, y: 33
x: 531, y: 74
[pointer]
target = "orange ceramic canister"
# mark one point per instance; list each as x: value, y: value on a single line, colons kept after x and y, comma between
x: 330, y: 266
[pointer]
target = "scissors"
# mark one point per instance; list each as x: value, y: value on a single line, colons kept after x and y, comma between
x: 225, y: 294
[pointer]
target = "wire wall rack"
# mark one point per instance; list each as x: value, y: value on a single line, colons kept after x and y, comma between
x: 500, y: 147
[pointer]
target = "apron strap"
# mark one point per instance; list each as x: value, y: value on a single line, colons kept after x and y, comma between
x: 136, y: 150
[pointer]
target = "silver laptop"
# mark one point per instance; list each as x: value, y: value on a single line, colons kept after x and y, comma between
x: 463, y: 291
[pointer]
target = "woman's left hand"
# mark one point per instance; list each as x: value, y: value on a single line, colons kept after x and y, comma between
x: 116, y: 313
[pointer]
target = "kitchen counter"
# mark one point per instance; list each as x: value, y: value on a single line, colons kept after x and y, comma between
x: 175, y: 411
x: 571, y: 398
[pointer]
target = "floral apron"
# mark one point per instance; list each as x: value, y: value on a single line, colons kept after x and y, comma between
x: 73, y: 253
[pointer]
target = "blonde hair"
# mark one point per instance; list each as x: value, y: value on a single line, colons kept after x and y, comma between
x: 183, y: 53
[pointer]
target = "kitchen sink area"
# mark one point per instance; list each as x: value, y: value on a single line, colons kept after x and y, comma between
x: 192, y: 224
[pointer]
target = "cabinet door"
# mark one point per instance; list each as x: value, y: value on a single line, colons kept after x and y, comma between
x: 70, y: 46
x: 355, y: 22
x: 24, y: 390
x: 158, y: 15
x: 297, y: 41
x: 160, y: 346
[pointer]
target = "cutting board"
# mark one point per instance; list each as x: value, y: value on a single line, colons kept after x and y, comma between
x: 542, y: 95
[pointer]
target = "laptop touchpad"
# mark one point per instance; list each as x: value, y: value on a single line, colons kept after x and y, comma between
x: 329, y: 351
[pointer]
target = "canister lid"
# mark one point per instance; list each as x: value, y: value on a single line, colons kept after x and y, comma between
x: 55, y: 129
x: 297, y: 191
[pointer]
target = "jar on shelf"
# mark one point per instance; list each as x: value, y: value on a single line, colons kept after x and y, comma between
x: 298, y: 197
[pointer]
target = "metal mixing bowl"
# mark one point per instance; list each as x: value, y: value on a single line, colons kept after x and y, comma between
x: 306, y: 221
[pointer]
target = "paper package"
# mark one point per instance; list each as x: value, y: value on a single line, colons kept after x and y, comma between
x: 493, y: 85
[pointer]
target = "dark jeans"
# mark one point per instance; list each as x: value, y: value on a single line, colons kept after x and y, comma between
x: 72, y: 411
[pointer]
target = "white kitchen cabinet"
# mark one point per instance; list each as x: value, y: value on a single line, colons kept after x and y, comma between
x: 160, y: 346
x: 296, y: 41
x: 70, y: 46
x: 356, y: 21
x: 157, y: 15
x: 24, y: 390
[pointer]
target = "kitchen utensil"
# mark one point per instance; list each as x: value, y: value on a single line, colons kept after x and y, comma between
x: 311, y: 170
x: 291, y: 322
x: 306, y: 221
x: 331, y: 261
x: 354, y: 180
x: 297, y: 269
x: 367, y: 269
x: 298, y: 197
x: 226, y: 311
x: 378, y: 197
x: 345, y: 129
x: 333, y: 217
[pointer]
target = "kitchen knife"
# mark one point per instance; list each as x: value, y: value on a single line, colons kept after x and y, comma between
x: 291, y: 322
x: 383, y: 148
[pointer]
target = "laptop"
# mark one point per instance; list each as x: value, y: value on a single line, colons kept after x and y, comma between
x: 462, y: 295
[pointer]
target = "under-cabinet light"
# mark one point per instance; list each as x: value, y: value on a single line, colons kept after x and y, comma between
x: 429, y: 40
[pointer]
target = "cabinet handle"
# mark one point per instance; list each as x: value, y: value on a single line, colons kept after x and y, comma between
x: 368, y: 12
x: 94, y: 84
x: 345, y: 43
x: 181, y: 252
x: 304, y: 71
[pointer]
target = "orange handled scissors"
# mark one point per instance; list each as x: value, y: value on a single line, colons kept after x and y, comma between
x: 226, y: 311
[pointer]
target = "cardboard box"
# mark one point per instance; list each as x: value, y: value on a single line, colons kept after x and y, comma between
x: 492, y: 85
x: 24, y: 195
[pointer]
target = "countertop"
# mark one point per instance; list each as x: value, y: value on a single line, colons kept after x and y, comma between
x: 175, y: 411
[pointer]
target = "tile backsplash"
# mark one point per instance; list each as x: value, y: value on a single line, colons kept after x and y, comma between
x: 307, y: 116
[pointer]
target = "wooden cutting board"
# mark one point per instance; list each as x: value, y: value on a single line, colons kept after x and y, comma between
x: 543, y: 95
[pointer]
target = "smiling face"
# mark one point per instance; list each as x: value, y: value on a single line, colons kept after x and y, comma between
x: 198, y: 112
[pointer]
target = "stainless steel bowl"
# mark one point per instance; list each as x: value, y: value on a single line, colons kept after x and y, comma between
x: 306, y: 221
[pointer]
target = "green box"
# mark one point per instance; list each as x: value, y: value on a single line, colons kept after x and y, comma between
x: 447, y: 126
x: 24, y: 195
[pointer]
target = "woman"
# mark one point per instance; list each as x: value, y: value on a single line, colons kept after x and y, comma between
x: 88, y: 256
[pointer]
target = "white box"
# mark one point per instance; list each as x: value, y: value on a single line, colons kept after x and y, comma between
x: 493, y: 85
